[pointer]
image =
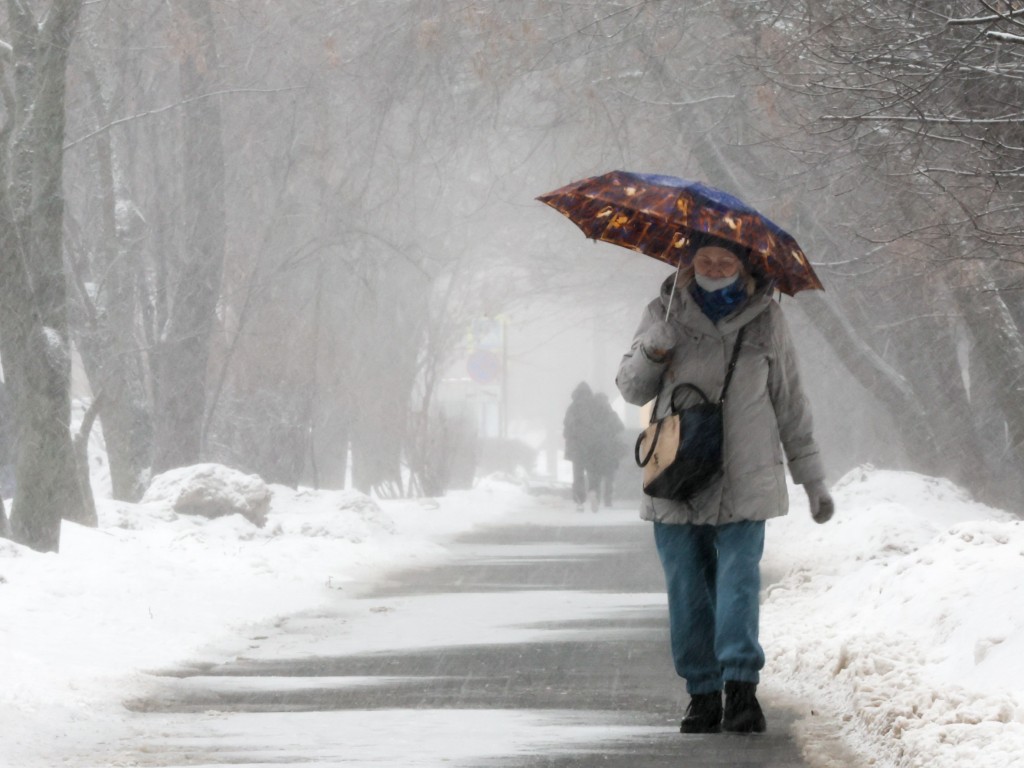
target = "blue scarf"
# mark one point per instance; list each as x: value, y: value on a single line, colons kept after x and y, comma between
x: 719, y: 304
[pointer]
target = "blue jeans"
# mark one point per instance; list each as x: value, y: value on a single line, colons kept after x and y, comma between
x: 714, y: 580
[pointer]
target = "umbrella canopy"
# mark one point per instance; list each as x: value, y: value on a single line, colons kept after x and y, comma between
x: 659, y: 216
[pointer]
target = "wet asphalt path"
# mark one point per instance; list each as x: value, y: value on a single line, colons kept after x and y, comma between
x: 562, y: 688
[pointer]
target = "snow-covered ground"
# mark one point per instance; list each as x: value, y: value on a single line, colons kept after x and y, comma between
x: 902, y: 620
x: 904, y: 617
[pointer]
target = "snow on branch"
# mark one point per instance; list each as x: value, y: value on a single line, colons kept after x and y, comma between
x: 925, y: 119
x: 985, y: 19
x: 1005, y: 37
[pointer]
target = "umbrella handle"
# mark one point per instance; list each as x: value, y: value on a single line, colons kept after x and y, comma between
x: 668, y: 309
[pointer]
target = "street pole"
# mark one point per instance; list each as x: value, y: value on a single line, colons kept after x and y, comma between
x: 503, y: 406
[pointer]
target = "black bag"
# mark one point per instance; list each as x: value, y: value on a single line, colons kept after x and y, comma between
x: 682, y: 452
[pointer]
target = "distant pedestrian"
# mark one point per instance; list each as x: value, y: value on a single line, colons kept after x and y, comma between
x: 607, y: 452
x: 578, y: 431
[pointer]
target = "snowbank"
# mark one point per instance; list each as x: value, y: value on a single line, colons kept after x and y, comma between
x: 150, y: 587
x: 903, y: 621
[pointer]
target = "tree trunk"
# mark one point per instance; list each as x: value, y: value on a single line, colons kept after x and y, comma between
x: 891, y: 388
x: 105, y: 323
x: 876, y: 376
x: 182, y: 352
x: 997, y: 353
x: 80, y: 444
x: 33, y: 294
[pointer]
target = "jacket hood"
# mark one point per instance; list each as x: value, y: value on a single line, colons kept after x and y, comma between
x: 582, y: 390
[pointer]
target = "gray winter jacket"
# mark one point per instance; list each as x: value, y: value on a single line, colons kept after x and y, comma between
x: 765, y: 411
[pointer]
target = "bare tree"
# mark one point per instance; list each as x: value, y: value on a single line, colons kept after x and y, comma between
x: 103, y: 251
x: 911, y: 112
x: 182, y: 352
x: 386, y: 156
x: 34, y: 337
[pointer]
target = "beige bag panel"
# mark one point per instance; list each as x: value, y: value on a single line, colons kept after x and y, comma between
x: 664, y: 451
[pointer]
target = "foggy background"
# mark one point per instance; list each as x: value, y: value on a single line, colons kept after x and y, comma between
x: 286, y: 229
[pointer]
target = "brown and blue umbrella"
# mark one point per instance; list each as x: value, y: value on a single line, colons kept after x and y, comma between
x: 664, y: 217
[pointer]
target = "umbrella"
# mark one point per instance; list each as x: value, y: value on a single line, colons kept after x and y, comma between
x: 659, y: 216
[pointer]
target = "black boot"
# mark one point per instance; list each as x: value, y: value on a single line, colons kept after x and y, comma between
x: 742, y: 712
x: 704, y: 715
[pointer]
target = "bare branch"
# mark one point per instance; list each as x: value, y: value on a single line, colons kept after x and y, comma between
x: 984, y: 19
x: 1005, y: 37
x: 1009, y: 18
x: 176, y: 105
x: 1004, y: 120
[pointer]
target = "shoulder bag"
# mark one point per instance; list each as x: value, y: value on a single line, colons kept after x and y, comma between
x: 681, y: 453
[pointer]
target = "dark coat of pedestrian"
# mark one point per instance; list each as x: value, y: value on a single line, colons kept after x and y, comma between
x: 578, y: 431
x: 710, y: 546
x: 608, y: 450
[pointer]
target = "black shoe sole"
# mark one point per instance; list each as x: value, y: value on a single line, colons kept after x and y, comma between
x: 700, y: 729
x: 744, y: 727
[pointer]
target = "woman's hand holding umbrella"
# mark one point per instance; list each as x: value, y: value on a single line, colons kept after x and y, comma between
x: 658, y: 341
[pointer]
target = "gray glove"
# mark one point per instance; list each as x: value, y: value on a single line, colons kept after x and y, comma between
x: 822, y: 506
x: 658, y: 341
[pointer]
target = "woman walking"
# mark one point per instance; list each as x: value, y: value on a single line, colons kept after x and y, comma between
x: 710, y: 545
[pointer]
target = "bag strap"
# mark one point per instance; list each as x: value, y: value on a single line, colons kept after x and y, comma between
x: 725, y: 386
x: 693, y: 388
x: 654, y: 442
x: 732, y: 363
